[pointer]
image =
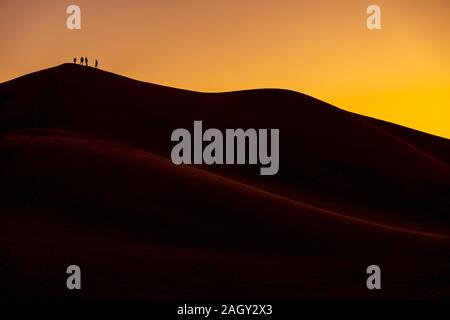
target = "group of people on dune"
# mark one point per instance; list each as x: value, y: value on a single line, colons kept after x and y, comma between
x: 84, y: 61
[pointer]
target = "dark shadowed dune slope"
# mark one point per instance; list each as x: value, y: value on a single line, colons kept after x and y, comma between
x: 86, y: 179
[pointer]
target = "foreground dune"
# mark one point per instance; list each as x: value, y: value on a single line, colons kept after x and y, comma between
x: 87, y: 179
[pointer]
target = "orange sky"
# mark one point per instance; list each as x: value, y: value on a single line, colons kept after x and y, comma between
x: 322, y: 48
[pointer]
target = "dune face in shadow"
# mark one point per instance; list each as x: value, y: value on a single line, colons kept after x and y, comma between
x: 86, y: 179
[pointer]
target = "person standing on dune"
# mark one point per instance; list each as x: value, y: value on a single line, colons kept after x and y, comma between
x: 96, y: 63
x: 82, y: 60
x: 86, y: 59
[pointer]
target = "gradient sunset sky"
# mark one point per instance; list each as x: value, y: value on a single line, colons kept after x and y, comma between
x: 322, y: 48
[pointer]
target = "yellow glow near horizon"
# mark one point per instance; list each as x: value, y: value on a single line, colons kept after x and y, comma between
x: 400, y: 73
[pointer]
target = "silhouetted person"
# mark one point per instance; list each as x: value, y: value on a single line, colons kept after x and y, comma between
x: 85, y: 59
x: 82, y: 60
x: 74, y: 60
x: 96, y: 63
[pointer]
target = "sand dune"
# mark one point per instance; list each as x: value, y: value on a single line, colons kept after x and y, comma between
x: 86, y: 178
